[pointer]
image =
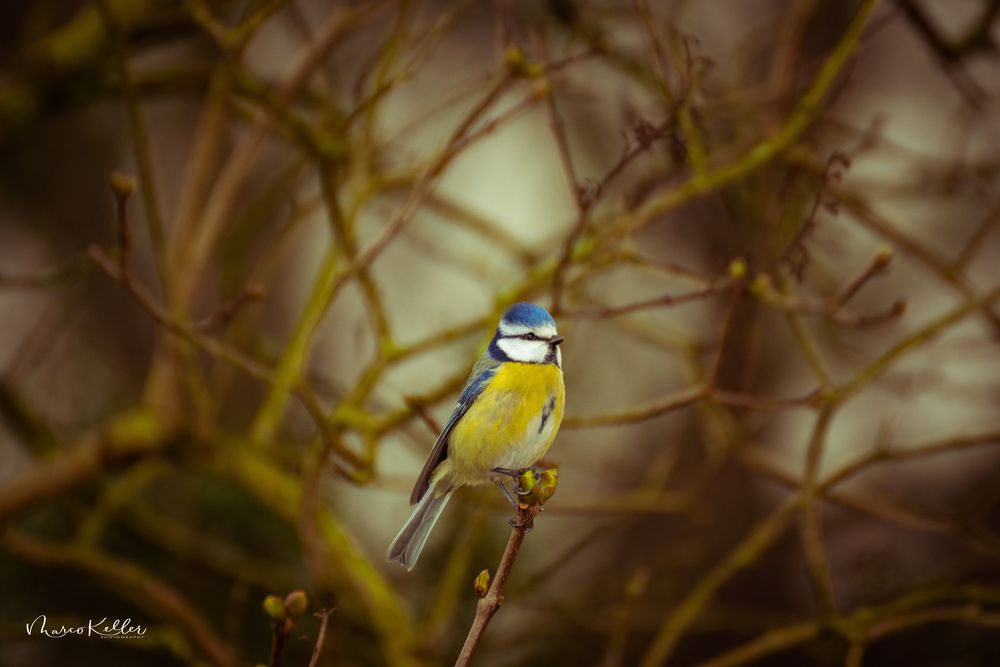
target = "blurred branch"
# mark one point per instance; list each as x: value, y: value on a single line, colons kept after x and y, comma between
x: 219, y: 349
x: 872, y: 623
x: 951, y: 53
x: 324, y: 616
x: 927, y: 256
x: 586, y: 199
x: 330, y: 279
x: 350, y: 574
x: 199, y: 241
x: 140, y: 146
x: 977, y: 38
x: 975, y: 242
x: 764, y: 152
x: 914, y: 341
x: 760, y: 538
x: 830, y: 308
x: 130, y: 436
x: 25, y: 422
x: 73, y: 271
x: 452, y: 582
x: 720, y: 286
x: 679, y: 399
x: 124, y: 578
x: 811, y: 522
x: 877, y: 507
x: 888, y: 453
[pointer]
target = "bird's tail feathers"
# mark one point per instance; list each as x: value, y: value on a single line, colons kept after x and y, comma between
x: 406, y: 548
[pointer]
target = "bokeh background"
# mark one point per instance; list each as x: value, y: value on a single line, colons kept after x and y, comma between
x: 767, y: 229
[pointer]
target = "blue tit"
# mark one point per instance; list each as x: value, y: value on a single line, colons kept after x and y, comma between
x: 506, y: 418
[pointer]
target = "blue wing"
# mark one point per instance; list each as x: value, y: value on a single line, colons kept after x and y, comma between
x: 481, y: 375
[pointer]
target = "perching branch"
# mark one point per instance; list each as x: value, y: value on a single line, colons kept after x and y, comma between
x: 491, y: 598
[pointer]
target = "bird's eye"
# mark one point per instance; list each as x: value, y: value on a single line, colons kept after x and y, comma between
x: 530, y: 336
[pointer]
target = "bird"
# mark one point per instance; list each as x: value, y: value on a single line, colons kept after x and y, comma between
x: 505, y: 420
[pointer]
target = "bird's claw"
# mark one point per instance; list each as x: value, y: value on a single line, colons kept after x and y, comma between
x: 518, y: 474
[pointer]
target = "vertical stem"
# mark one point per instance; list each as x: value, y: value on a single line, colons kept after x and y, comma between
x: 490, y: 603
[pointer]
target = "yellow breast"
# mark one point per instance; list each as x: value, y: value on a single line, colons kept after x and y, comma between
x: 511, y: 424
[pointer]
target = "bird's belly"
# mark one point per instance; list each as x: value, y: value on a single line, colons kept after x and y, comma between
x: 511, y: 424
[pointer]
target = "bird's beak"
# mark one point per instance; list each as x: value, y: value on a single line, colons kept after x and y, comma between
x: 555, y: 340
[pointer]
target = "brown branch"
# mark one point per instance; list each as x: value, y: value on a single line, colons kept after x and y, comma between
x: 878, y: 265
x: 460, y: 138
x: 831, y: 308
x: 932, y: 259
x: 975, y: 242
x: 915, y: 340
x: 885, y: 454
x: 168, y: 321
x: 418, y: 407
x: 646, y: 135
x: 877, y: 507
x: 790, y: 636
x: 557, y: 128
x: 951, y: 54
x: 123, y: 186
x: 762, y: 403
x: 279, y: 634
x: 772, y: 641
x: 491, y: 602
x: 66, y: 275
x: 127, y: 437
x: 324, y: 616
x: 718, y: 287
x: 54, y: 476
x: 229, y: 309
x: 679, y: 399
x: 810, y: 530
x: 190, y: 333
x: 197, y: 239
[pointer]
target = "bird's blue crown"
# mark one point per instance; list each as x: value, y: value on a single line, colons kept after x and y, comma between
x: 527, y: 314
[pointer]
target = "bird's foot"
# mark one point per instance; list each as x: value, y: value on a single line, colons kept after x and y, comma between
x: 506, y: 492
x: 524, y: 483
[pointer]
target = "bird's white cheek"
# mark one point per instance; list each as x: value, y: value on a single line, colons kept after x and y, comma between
x: 529, y: 351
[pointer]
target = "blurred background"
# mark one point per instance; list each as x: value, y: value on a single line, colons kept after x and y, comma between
x: 250, y: 249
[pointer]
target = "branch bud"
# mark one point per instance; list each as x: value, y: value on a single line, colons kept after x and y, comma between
x: 882, y: 258
x: 482, y: 583
x: 547, y: 484
x: 122, y: 184
x: 514, y: 58
x: 296, y: 603
x: 762, y: 287
x: 274, y: 607
x: 527, y: 488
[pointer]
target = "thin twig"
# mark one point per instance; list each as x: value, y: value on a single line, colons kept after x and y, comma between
x: 279, y: 634
x: 324, y: 616
x: 490, y: 603
x: 720, y: 286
